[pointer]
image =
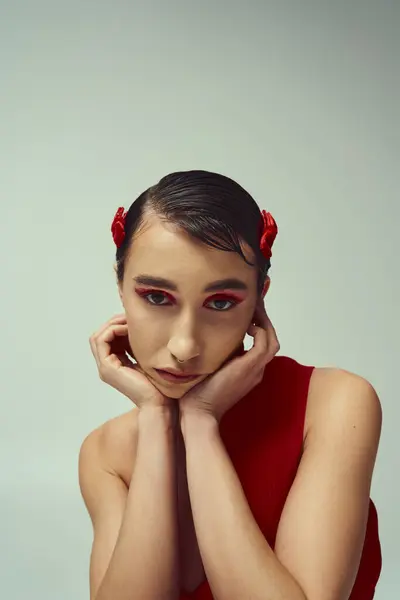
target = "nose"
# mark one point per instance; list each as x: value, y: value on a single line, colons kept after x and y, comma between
x: 184, y: 350
x: 184, y: 357
x: 184, y: 343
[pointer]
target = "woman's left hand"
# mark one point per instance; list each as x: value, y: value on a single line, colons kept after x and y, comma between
x: 221, y: 390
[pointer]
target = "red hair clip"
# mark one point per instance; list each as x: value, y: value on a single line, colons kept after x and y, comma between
x: 118, y: 226
x: 268, y: 232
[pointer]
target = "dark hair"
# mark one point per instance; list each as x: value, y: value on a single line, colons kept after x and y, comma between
x: 208, y: 206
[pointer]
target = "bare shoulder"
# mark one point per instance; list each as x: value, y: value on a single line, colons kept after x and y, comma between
x: 115, y: 441
x: 334, y: 391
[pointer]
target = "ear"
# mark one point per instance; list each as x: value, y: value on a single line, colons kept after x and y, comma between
x: 255, y: 318
x: 266, y: 286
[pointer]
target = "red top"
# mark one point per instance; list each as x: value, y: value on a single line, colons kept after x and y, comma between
x: 263, y: 435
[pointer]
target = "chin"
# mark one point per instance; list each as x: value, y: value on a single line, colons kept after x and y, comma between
x: 171, y: 393
x: 178, y: 390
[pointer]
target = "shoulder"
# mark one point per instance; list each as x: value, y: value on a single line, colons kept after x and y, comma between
x: 333, y: 395
x: 114, y: 441
x: 338, y: 396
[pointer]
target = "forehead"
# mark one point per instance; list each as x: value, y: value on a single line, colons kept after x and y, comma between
x: 163, y: 248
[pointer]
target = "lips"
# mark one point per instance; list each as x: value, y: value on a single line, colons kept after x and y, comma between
x: 175, y: 379
x: 179, y: 373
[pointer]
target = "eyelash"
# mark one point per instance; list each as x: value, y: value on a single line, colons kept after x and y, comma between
x: 145, y: 293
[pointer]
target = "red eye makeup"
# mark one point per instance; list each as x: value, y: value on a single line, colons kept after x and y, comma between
x: 228, y: 297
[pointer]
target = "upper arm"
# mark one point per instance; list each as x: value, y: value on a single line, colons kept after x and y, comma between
x: 322, y: 529
x: 105, y: 496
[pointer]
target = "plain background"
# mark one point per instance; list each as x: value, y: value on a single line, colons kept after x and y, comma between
x: 297, y: 101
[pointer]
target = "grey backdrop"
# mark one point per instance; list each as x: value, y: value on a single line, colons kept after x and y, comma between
x: 298, y: 102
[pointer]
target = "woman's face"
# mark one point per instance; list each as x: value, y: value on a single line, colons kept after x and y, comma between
x: 201, y: 327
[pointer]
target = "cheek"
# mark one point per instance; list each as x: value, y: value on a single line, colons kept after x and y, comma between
x: 137, y: 317
x: 144, y: 335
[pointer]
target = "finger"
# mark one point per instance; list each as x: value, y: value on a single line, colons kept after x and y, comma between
x: 272, y: 338
x: 102, y: 343
x: 121, y: 318
x: 265, y: 340
x: 108, y: 336
x: 261, y: 313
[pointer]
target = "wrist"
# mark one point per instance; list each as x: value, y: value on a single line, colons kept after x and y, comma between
x: 197, y: 422
x: 153, y: 413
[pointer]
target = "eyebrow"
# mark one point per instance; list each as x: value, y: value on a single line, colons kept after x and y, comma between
x: 221, y: 284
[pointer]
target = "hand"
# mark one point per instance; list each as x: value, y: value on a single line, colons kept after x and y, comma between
x: 216, y: 394
x: 110, y: 347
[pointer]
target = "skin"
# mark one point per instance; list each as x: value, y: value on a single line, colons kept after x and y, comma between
x: 321, y: 531
x: 186, y: 325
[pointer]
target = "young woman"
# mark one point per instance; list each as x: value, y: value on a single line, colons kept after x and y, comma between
x: 250, y: 478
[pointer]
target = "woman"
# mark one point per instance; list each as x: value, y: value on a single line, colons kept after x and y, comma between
x: 251, y: 478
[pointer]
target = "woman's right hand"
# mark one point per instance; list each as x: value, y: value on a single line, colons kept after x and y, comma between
x: 110, y: 345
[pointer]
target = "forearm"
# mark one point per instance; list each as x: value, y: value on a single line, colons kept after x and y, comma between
x: 237, y: 559
x: 145, y: 562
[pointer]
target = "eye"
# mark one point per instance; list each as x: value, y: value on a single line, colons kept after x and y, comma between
x: 163, y: 296
x: 232, y: 302
x: 159, y: 294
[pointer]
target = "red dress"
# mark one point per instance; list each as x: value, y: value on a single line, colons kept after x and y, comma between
x: 263, y: 435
